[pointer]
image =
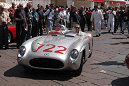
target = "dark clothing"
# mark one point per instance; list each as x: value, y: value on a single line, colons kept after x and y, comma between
x: 29, y: 22
x: 28, y: 15
x: 116, y: 22
x: 121, y: 20
x: 11, y: 14
x: 127, y: 14
x: 4, y: 36
x: 89, y: 23
x: 34, y: 28
x: 40, y: 22
x: 20, y: 27
x: 82, y: 20
x: 35, y: 24
x: 73, y: 16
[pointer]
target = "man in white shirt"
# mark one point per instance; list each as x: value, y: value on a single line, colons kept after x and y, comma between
x: 97, y: 17
x: 50, y: 14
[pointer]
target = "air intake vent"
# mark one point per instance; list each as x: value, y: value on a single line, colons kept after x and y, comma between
x: 46, y: 63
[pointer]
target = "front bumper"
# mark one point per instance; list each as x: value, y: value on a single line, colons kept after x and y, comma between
x: 49, y: 63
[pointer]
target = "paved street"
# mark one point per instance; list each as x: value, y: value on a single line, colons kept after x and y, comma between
x: 105, y: 67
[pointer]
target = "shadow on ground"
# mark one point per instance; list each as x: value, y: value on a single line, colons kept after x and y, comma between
x: 19, y: 71
x: 119, y: 38
x: 108, y: 63
x: 121, y: 82
x: 119, y: 43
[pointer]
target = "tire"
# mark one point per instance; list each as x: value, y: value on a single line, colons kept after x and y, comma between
x: 90, y: 55
x: 91, y: 50
x: 9, y: 37
x: 79, y: 70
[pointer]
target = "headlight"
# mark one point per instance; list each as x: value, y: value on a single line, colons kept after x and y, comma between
x: 74, y: 53
x: 22, y: 50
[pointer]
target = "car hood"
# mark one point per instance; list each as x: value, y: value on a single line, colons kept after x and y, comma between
x: 53, y: 43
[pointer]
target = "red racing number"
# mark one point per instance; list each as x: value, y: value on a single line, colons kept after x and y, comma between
x: 39, y: 46
x: 59, y: 51
x: 49, y: 49
x: 52, y: 47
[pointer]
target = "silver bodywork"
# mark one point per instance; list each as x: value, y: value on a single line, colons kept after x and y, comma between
x: 35, y: 51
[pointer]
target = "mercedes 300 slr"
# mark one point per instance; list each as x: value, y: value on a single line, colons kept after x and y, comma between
x: 56, y: 51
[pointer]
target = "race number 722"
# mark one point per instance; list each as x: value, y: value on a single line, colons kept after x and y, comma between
x: 60, y: 50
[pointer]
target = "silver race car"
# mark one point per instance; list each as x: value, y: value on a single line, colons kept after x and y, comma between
x: 56, y: 51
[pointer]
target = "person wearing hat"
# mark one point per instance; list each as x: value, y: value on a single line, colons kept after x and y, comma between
x: 97, y: 18
x: 4, y: 20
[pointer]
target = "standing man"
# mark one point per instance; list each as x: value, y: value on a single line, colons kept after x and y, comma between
x: 111, y: 20
x: 82, y: 19
x: 41, y: 20
x: 35, y: 23
x: 12, y: 11
x: 88, y: 17
x: 20, y: 18
x: 74, y: 18
x: 4, y: 20
x: 97, y: 16
x: 127, y: 14
x: 121, y: 19
x: 116, y: 20
x: 28, y: 12
x: 50, y: 14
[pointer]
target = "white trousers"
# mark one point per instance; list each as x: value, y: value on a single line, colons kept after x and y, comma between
x: 97, y: 27
x: 111, y: 25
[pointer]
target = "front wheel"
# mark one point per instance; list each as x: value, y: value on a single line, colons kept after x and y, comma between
x: 79, y: 70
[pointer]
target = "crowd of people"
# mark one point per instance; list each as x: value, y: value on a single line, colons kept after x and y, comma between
x: 31, y: 22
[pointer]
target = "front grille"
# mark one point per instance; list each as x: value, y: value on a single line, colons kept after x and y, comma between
x: 46, y: 63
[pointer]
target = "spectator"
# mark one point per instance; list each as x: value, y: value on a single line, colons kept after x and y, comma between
x: 82, y: 18
x: 12, y: 11
x: 97, y: 16
x: 50, y: 14
x: 74, y: 17
x: 35, y: 23
x: 111, y: 20
x: 4, y: 20
x: 127, y: 14
x: 88, y: 16
x: 68, y: 18
x: 116, y: 20
x: 121, y: 19
x: 20, y: 18
x: 41, y: 20
x: 28, y: 12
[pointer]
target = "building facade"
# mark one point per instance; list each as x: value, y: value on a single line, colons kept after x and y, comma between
x: 2, y: 0
x: 24, y: 2
x: 77, y: 3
